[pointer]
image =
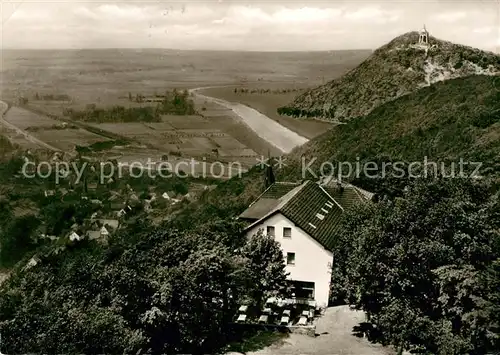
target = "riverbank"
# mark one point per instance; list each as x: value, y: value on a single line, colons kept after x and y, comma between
x: 266, y: 128
x: 268, y: 104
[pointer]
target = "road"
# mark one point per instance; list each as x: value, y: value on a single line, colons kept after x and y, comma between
x: 266, y: 128
x: 26, y: 135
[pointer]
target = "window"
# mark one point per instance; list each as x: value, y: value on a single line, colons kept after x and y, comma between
x: 287, y: 232
x: 290, y: 258
x: 270, y: 231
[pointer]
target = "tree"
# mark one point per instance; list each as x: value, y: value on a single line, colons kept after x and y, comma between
x: 17, y: 239
x: 23, y: 101
x: 266, y: 267
x: 417, y: 265
x: 150, y: 290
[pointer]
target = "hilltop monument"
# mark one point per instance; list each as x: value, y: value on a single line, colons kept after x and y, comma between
x: 423, y: 42
x: 423, y: 38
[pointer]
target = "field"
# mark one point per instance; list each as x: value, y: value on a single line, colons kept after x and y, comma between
x: 17, y: 139
x: 43, y: 128
x: 193, y: 136
x: 106, y: 78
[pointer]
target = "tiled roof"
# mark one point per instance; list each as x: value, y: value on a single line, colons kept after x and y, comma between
x: 311, y: 209
x: 268, y: 200
x: 314, y: 212
x: 259, y: 208
x: 330, y: 183
x: 279, y: 189
x: 346, y: 196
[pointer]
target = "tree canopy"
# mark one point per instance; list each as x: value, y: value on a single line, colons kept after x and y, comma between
x: 163, y: 291
x: 425, y: 267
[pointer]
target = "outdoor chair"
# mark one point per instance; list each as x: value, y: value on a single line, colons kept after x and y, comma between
x: 284, y: 320
x: 302, y: 321
x: 263, y: 319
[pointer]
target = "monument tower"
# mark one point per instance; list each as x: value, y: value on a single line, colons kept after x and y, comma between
x: 423, y: 37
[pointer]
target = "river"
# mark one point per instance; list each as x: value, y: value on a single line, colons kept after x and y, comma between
x: 266, y: 128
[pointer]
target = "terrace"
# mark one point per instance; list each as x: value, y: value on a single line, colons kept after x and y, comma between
x: 293, y: 314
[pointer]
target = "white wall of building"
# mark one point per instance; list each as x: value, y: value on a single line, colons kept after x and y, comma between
x: 312, y: 261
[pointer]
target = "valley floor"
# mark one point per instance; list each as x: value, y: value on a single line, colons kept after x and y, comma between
x: 335, y: 338
x: 268, y: 104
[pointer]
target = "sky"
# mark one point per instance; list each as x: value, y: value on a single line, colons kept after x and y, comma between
x: 244, y: 25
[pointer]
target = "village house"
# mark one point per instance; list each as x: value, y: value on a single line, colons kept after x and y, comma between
x: 49, y: 193
x: 101, y: 234
x: 74, y: 237
x: 92, y: 186
x: 304, y: 218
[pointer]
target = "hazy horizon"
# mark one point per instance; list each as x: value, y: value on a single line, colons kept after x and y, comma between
x: 224, y: 25
x: 188, y: 50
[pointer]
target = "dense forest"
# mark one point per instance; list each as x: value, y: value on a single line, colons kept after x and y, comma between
x: 173, y: 103
x: 151, y: 290
x: 426, y: 267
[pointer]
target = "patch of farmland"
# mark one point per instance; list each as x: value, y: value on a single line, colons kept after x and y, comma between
x: 171, y: 139
x: 181, y: 118
x: 160, y: 126
x: 23, y: 119
x: 193, y: 152
x: 204, y: 143
x: 125, y: 129
x: 245, y: 152
x: 204, y: 131
x: 192, y: 133
x: 192, y: 125
x: 228, y: 143
x: 66, y: 139
x: 17, y: 139
x: 52, y: 107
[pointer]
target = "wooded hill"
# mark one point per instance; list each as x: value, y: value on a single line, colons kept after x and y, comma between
x: 393, y: 70
x: 455, y: 119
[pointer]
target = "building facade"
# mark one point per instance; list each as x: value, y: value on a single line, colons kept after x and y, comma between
x: 307, y: 261
x: 305, y: 219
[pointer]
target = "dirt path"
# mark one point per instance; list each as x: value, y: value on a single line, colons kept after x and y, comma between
x: 271, y: 131
x: 335, y: 338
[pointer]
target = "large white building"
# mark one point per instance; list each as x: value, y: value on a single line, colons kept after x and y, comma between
x: 305, y: 219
